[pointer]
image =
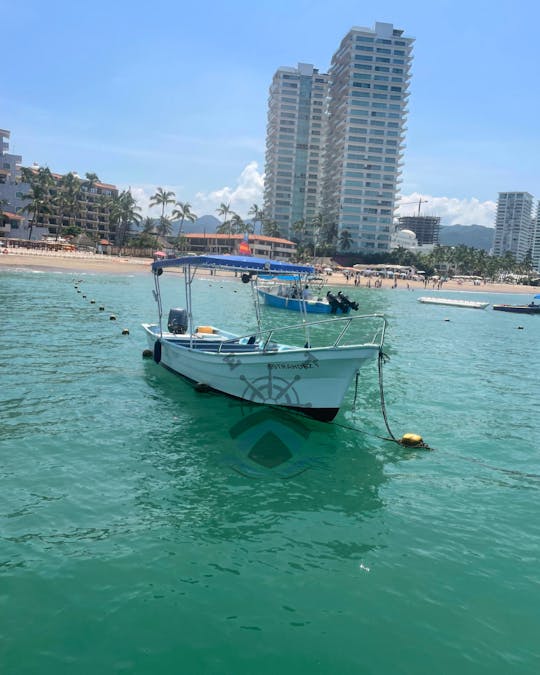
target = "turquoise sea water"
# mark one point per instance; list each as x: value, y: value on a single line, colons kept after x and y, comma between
x: 141, y: 534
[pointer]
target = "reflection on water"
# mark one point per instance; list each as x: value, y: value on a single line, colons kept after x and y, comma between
x: 329, y: 469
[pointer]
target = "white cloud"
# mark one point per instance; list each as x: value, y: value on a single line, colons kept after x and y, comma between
x: 452, y: 211
x: 143, y: 193
x: 248, y: 191
x: 250, y: 185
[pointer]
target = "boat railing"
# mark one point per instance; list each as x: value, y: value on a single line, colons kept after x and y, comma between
x: 265, y: 338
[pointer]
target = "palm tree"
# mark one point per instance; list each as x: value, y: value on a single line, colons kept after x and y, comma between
x: 299, y: 228
x: 164, y: 227
x: 91, y: 180
x: 148, y: 225
x: 270, y: 228
x: 69, y: 200
x: 162, y: 198
x: 330, y: 233
x: 257, y: 215
x: 224, y: 210
x: 124, y: 213
x: 38, y: 197
x: 237, y: 224
x: 345, y: 240
x: 146, y: 236
x: 318, y: 225
x: 183, y: 211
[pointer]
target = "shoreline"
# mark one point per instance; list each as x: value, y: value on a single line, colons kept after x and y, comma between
x: 102, y: 264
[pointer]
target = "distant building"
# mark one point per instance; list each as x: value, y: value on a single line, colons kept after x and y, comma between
x: 260, y: 245
x: 536, y: 241
x: 367, y: 110
x: 92, y: 215
x: 335, y: 142
x: 426, y: 228
x: 93, y: 203
x: 295, y: 141
x: 11, y: 191
x: 514, y: 227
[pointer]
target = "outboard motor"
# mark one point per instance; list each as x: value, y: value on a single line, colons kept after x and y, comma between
x: 333, y: 302
x: 347, y: 304
x: 178, y: 321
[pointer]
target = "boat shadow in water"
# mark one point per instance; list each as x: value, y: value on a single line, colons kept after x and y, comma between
x: 254, y: 440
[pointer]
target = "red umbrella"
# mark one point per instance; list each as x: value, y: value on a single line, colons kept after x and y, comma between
x: 160, y: 254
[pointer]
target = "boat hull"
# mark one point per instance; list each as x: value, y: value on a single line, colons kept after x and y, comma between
x: 312, y: 381
x: 297, y: 305
x: 518, y: 309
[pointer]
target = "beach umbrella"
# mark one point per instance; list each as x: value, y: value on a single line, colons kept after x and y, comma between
x: 160, y: 254
x: 104, y: 242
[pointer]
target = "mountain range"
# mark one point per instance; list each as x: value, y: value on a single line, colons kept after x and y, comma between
x: 474, y: 236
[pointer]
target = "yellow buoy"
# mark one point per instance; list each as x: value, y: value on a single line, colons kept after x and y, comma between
x: 411, y: 439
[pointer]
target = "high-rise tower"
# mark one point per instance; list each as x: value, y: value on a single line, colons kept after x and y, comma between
x: 369, y: 89
x: 514, y: 224
x: 294, y: 145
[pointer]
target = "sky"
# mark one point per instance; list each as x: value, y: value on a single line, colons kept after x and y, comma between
x: 174, y: 94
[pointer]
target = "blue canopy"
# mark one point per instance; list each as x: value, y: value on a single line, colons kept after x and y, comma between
x: 537, y: 296
x: 233, y: 262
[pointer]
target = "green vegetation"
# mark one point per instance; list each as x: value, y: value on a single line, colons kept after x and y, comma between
x: 446, y: 260
x: 61, y: 197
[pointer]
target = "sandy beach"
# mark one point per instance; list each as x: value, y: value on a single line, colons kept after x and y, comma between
x: 95, y: 264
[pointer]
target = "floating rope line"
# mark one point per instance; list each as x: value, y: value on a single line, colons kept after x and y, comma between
x: 112, y: 317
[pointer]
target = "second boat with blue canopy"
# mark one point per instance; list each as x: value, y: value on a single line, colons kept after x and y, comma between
x: 307, y: 367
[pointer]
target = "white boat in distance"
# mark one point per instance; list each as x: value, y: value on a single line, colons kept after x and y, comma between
x: 298, y: 374
x: 450, y: 302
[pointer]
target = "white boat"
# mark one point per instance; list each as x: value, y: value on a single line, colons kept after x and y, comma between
x: 451, y: 302
x: 298, y: 373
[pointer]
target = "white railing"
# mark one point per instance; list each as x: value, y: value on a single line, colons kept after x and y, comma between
x: 265, y: 336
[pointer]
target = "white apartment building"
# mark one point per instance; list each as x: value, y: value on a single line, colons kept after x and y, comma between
x: 514, y: 225
x: 369, y: 88
x: 295, y: 143
x: 11, y: 190
x: 536, y: 241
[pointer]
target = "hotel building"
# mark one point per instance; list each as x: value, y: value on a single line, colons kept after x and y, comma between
x: 295, y: 143
x: 92, y: 212
x: 514, y: 227
x: 12, y: 223
x: 536, y: 241
x: 355, y: 181
x: 369, y: 89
